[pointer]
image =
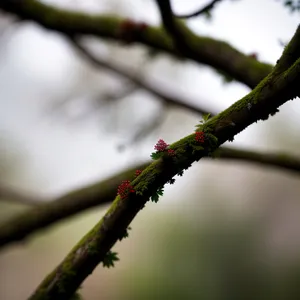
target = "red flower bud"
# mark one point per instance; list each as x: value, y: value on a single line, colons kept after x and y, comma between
x: 171, y: 152
x: 200, y: 136
x: 126, y: 31
x: 161, y: 146
x: 125, y: 188
x: 142, y: 26
x: 253, y: 55
x: 138, y: 172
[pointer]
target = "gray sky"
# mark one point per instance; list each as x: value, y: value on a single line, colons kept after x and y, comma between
x: 38, y: 66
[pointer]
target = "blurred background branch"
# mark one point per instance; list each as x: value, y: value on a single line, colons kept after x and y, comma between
x: 241, y: 67
x: 104, y: 192
x: 68, y: 123
x: 137, y: 80
x: 9, y: 194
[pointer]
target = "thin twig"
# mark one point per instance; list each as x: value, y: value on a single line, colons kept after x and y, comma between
x: 135, y: 79
x: 203, y: 10
x: 180, y: 34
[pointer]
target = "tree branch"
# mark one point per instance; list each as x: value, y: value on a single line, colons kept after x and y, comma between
x: 290, y: 54
x: 278, y: 160
x: 65, y: 206
x: 264, y: 100
x: 209, y: 51
x: 183, y: 38
x: 117, y: 69
x: 181, y: 35
x: 203, y: 10
x: 77, y: 201
x: 9, y: 194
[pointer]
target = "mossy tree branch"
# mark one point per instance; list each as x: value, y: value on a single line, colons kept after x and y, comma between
x: 290, y: 55
x: 207, y: 50
x: 264, y: 100
x: 77, y: 201
x: 65, y: 206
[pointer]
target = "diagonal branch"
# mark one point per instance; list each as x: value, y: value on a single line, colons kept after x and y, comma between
x: 65, y: 206
x: 78, y: 201
x: 264, y: 100
x: 290, y: 55
x: 210, y: 52
x: 137, y: 80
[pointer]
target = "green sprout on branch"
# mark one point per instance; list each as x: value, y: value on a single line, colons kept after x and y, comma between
x: 157, y: 194
x: 110, y: 259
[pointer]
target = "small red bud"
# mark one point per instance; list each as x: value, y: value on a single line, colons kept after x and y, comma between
x: 253, y: 55
x: 125, y: 188
x: 138, y: 172
x: 161, y: 146
x: 171, y: 152
x: 128, y: 25
x: 126, y: 31
x: 142, y: 26
x: 200, y: 136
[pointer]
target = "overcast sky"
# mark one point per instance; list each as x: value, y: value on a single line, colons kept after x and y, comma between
x: 37, y: 66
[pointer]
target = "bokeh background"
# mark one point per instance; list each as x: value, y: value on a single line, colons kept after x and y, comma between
x: 225, y: 230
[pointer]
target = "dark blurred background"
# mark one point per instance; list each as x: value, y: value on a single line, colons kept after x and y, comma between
x: 225, y: 230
